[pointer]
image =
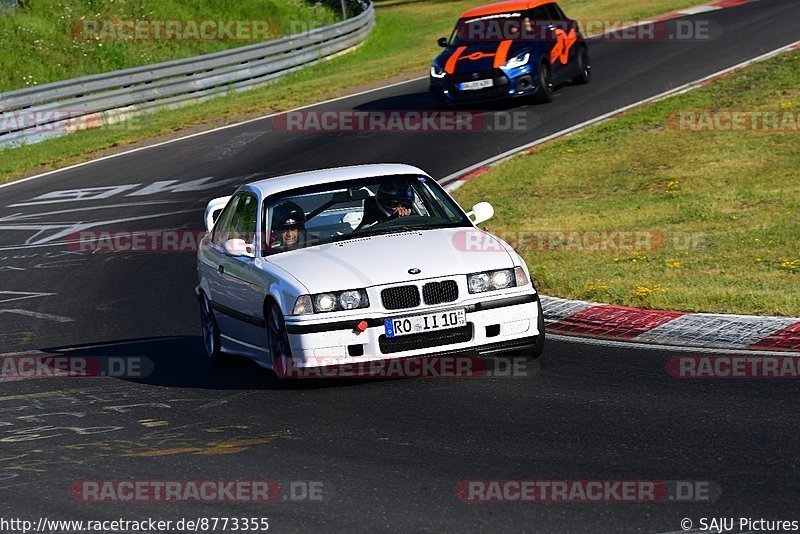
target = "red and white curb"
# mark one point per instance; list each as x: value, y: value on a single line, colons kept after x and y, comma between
x: 659, y: 327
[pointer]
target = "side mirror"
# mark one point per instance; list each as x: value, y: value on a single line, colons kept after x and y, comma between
x: 238, y: 248
x: 482, y: 211
x: 442, y: 42
x: 213, y: 210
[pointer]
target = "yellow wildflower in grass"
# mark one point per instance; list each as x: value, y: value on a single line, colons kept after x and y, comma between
x: 673, y: 187
x: 643, y: 291
x: 674, y: 264
x: 791, y: 265
x: 596, y: 285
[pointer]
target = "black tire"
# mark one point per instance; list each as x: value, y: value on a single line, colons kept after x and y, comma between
x: 278, y: 341
x: 584, y: 68
x: 208, y: 324
x: 544, y: 93
x: 537, y: 349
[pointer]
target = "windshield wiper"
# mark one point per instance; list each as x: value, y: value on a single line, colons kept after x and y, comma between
x: 394, y: 230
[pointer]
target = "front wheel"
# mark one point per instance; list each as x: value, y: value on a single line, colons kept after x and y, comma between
x: 439, y: 100
x: 537, y: 349
x: 278, y: 342
x: 210, y: 331
x: 544, y: 93
x: 584, y: 68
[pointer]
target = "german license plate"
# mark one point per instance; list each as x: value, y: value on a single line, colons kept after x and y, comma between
x: 477, y: 84
x: 425, y: 323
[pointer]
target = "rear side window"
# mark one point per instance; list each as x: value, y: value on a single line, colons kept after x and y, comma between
x: 538, y: 13
x: 556, y: 11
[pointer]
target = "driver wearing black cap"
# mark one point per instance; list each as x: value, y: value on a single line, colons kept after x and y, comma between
x: 288, y: 227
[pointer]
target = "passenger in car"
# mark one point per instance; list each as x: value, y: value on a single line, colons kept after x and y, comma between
x: 393, y: 199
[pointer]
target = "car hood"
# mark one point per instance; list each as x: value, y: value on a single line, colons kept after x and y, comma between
x: 480, y: 56
x: 386, y: 259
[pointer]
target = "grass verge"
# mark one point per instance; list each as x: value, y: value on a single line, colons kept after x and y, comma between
x: 717, y: 213
x: 402, y: 46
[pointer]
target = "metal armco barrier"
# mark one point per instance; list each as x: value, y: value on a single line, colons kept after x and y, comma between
x: 50, y: 110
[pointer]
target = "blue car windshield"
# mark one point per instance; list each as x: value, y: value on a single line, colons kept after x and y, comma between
x: 495, y: 28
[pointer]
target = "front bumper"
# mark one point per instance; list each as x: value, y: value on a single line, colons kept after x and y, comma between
x: 501, y: 324
x: 507, y: 84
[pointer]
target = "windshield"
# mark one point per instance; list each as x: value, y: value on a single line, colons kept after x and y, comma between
x: 530, y: 25
x: 321, y: 214
x: 493, y: 28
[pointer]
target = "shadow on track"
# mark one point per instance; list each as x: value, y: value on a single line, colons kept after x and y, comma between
x: 423, y: 101
x: 179, y: 361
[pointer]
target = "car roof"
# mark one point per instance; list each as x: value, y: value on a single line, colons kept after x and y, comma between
x: 504, y: 7
x: 278, y: 184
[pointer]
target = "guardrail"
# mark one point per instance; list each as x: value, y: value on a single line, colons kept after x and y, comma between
x: 40, y: 112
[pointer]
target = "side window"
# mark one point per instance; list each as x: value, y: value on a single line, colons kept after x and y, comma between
x: 553, y: 13
x: 538, y: 14
x: 237, y: 221
x: 223, y: 225
x: 559, y: 12
x: 536, y: 20
x: 243, y: 224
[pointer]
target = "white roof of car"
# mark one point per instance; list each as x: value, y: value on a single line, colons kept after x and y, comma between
x: 271, y: 186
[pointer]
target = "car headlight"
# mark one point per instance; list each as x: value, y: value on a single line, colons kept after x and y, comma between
x: 334, y: 301
x: 493, y: 280
x: 436, y: 73
x: 502, y: 279
x: 519, y: 60
x: 324, y: 302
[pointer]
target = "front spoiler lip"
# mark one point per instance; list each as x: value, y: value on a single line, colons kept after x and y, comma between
x: 491, y: 97
x: 480, y: 351
x: 350, y: 324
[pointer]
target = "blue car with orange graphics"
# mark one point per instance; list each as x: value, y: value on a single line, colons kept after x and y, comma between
x: 516, y: 48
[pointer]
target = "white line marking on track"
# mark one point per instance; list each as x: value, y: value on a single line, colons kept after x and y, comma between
x: 70, y: 228
x: 37, y: 315
x: 21, y: 295
x: 19, y: 216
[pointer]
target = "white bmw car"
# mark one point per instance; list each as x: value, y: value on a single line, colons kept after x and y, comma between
x: 356, y: 264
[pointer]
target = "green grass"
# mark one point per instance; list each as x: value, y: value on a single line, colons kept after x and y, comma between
x: 39, y: 43
x: 725, y: 204
x: 402, y: 44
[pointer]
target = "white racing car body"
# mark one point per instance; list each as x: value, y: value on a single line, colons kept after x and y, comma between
x: 366, y: 278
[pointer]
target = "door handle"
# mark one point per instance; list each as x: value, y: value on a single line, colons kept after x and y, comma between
x: 221, y: 269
